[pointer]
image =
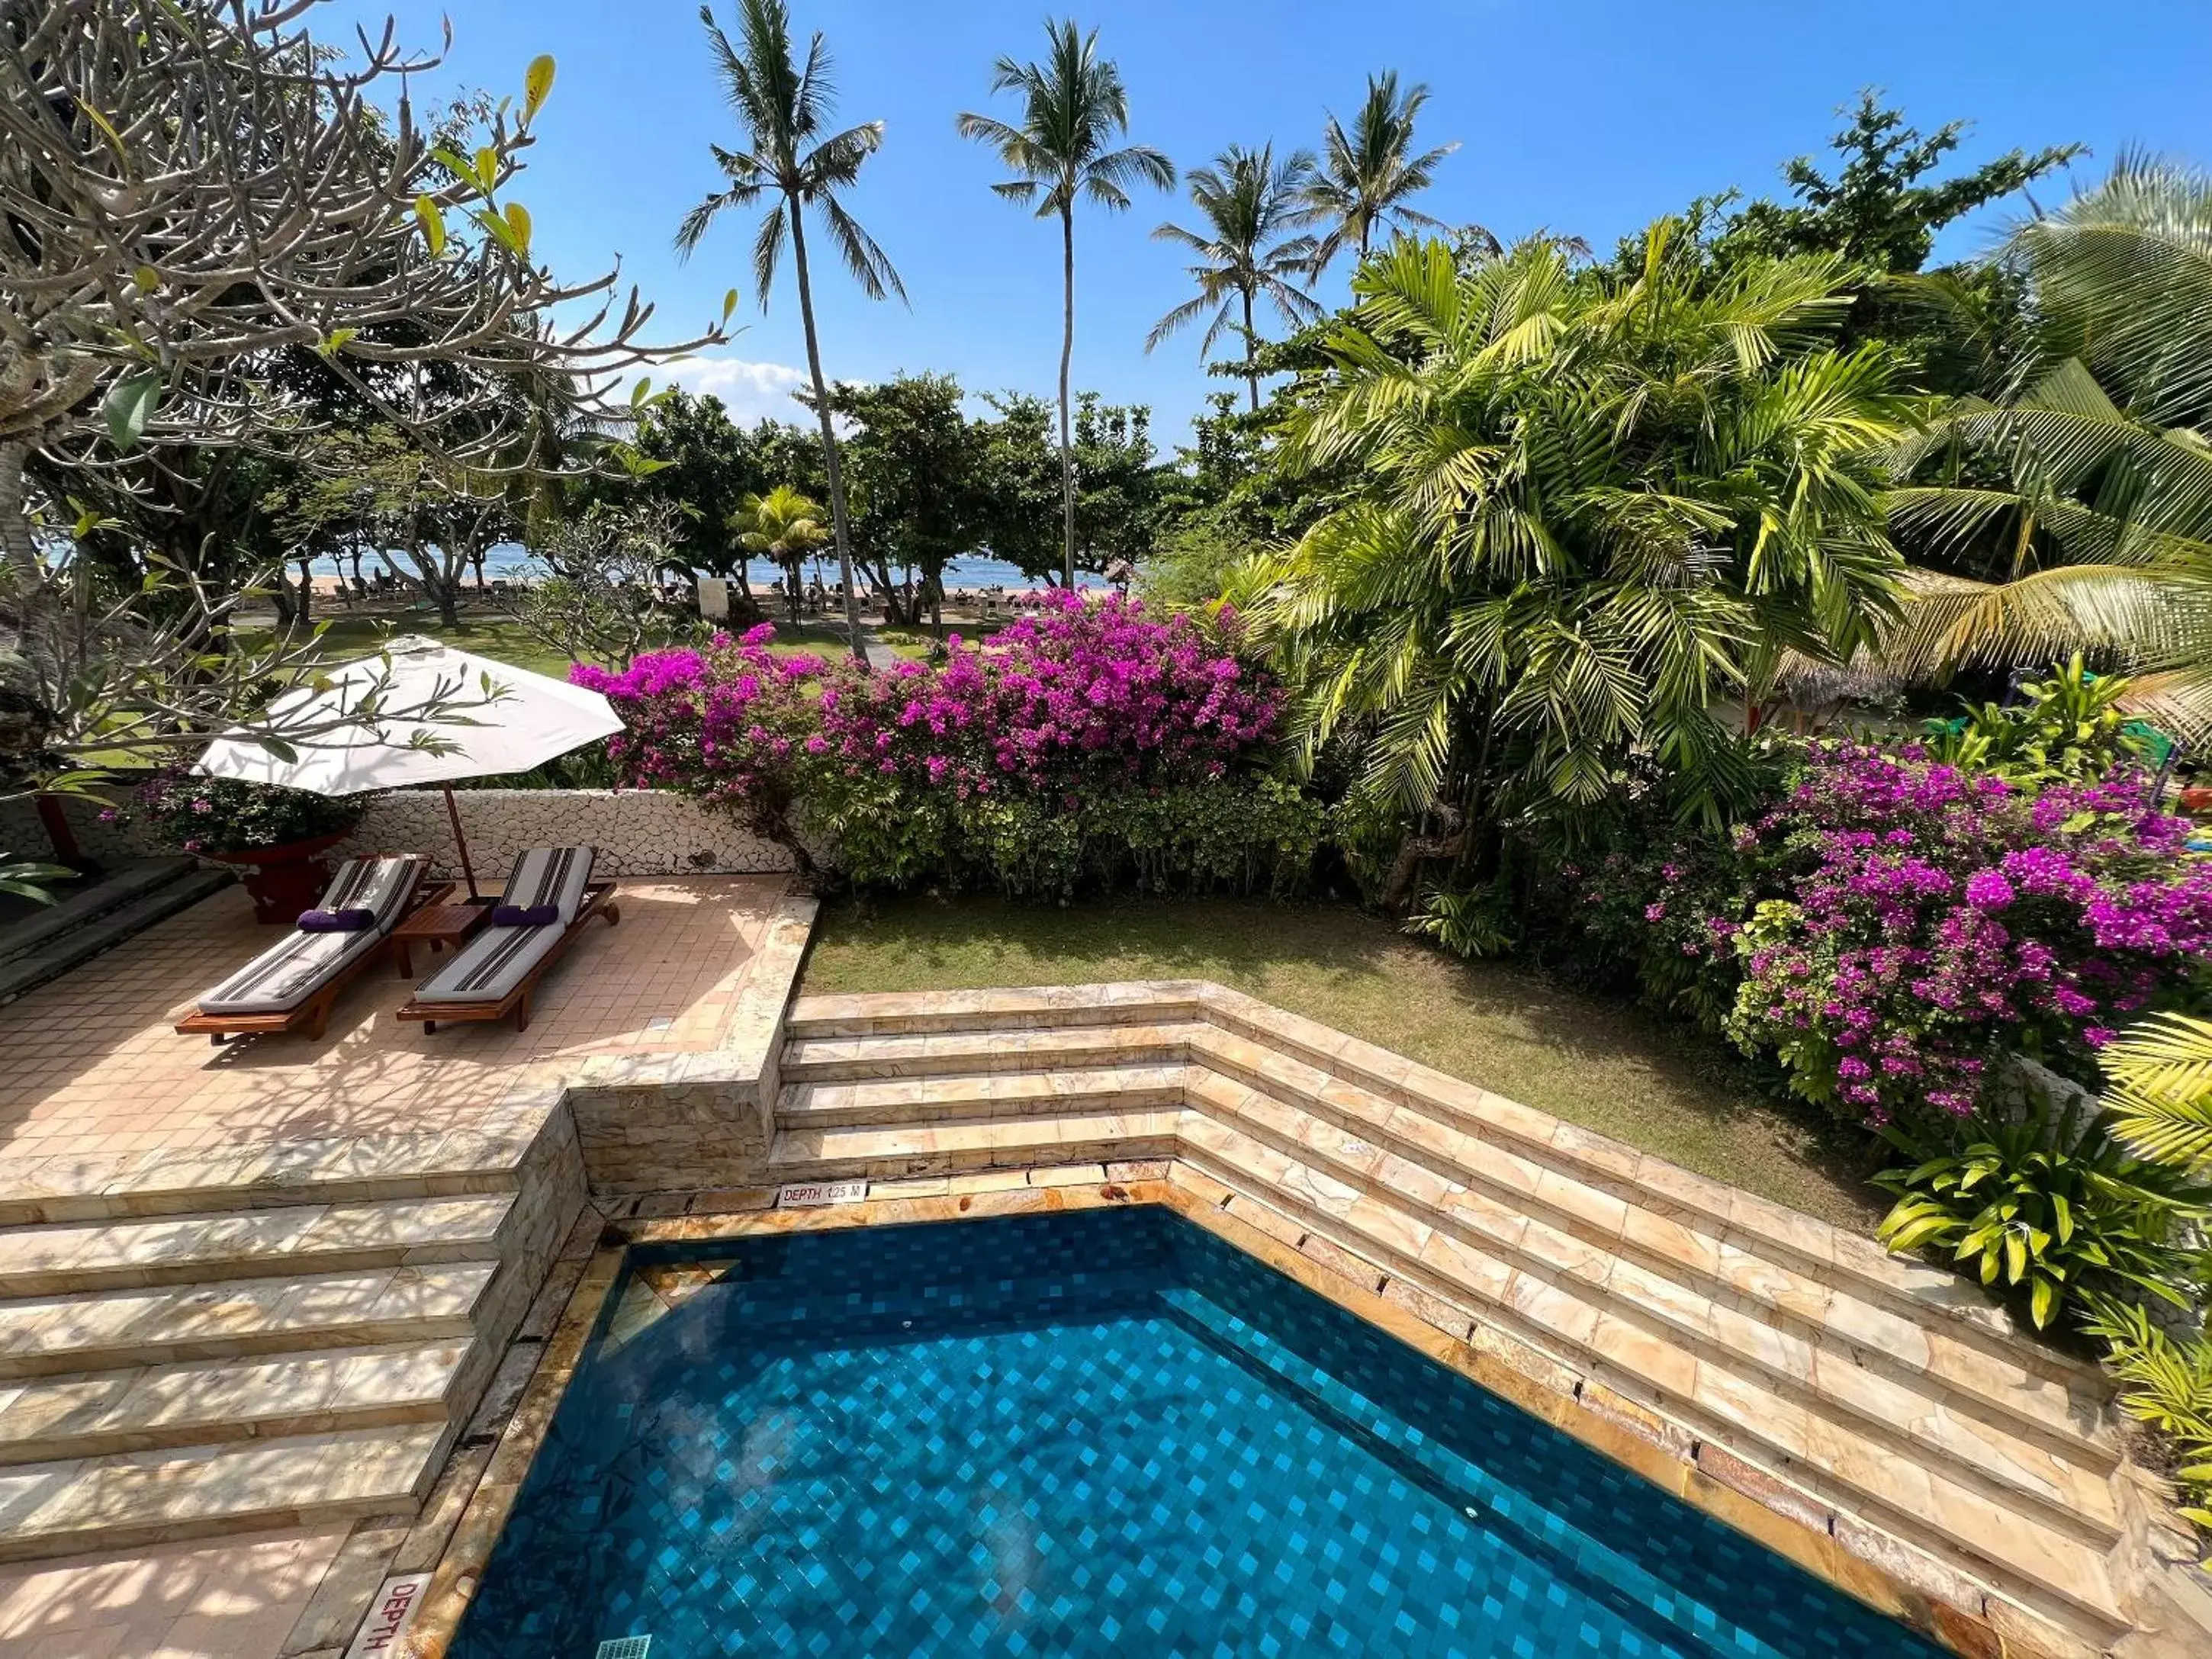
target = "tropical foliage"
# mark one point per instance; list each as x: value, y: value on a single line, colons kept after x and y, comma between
x: 2168, y: 1384
x: 216, y: 816
x: 2158, y: 1089
x: 2069, y: 728
x: 2078, y: 502
x: 2045, y: 1204
x: 1583, y: 513
x: 783, y: 526
x: 1085, y: 745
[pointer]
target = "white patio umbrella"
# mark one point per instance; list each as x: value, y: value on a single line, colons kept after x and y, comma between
x: 523, y: 719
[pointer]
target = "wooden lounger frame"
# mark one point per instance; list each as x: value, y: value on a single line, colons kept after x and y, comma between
x: 599, y: 901
x: 313, y: 1015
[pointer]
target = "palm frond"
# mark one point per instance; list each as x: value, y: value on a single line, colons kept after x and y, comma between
x: 2159, y: 1077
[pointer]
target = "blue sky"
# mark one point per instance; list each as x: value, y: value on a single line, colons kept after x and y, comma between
x: 1591, y: 118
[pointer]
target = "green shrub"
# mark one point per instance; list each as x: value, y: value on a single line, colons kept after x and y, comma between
x: 2048, y: 1204
x: 1478, y: 922
x: 1237, y: 836
x: 2067, y: 729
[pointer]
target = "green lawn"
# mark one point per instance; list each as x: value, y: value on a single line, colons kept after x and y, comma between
x: 486, y: 634
x: 1587, y: 1059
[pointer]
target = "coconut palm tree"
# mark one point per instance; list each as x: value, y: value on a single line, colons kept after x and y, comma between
x: 795, y: 165
x: 1586, y: 513
x: 783, y: 526
x: 2085, y: 488
x: 1367, y: 175
x: 1247, y: 199
x: 1073, y: 108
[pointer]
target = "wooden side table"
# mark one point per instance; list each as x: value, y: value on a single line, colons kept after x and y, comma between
x: 447, y: 920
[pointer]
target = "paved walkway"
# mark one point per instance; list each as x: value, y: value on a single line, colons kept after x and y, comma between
x: 222, y: 1599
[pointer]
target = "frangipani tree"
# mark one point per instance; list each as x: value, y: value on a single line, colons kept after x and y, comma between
x: 595, y: 592
x: 193, y: 189
x: 192, y: 192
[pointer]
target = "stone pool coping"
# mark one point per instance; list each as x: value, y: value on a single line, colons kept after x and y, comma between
x: 1702, y: 1475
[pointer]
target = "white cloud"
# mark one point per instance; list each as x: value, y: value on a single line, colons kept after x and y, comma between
x: 751, y: 392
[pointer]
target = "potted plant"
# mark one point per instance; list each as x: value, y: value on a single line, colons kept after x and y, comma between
x: 274, y: 835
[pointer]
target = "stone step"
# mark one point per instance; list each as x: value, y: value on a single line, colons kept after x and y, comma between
x: 173, y: 1324
x: 848, y: 1059
x: 1727, y: 1268
x: 1935, y: 1504
x: 131, y: 1500
x: 952, y: 1146
x: 1917, y: 1415
x: 216, y: 1401
x: 884, y: 1101
x: 76, y: 903
x: 105, y: 1255
x: 919, y: 1012
x: 1812, y: 1248
x: 108, y: 926
x: 356, y: 1169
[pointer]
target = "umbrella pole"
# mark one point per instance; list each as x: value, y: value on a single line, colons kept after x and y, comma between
x: 460, y: 840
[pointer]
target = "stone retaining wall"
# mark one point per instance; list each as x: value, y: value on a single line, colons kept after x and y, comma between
x: 639, y: 832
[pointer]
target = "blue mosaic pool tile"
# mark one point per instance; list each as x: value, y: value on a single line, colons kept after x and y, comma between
x: 1092, y: 1434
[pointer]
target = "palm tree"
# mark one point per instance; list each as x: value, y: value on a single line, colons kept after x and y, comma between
x: 783, y: 526
x: 2085, y: 488
x: 1247, y: 199
x: 1073, y: 107
x: 784, y: 108
x: 1585, y: 512
x: 1367, y: 174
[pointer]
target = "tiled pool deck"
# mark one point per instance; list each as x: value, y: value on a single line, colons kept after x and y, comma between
x: 94, y: 1078
x: 93, y: 1068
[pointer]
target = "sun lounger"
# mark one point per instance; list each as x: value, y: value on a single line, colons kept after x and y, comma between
x: 292, y: 985
x: 496, y: 973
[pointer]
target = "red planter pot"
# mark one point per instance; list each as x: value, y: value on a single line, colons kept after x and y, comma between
x: 282, y: 881
x: 2197, y: 800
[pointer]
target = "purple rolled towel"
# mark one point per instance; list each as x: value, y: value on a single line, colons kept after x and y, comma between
x: 336, y: 921
x: 516, y: 916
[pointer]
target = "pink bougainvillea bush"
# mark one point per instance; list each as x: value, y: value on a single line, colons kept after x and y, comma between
x: 1892, y: 929
x: 1086, y: 727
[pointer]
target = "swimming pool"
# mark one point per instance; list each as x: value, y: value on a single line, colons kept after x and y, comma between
x: 1081, y: 1434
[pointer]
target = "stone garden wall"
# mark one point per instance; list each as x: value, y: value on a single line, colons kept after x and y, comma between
x: 638, y: 832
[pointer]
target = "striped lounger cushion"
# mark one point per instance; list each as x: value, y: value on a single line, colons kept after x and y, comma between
x: 500, y: 958
x: 290, y: 971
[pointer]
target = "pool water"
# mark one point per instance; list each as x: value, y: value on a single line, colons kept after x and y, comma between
x: 1104, y: 1433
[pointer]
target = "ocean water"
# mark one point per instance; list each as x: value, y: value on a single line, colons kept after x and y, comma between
x: 972, y: 571
x: 1096, y: 1434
